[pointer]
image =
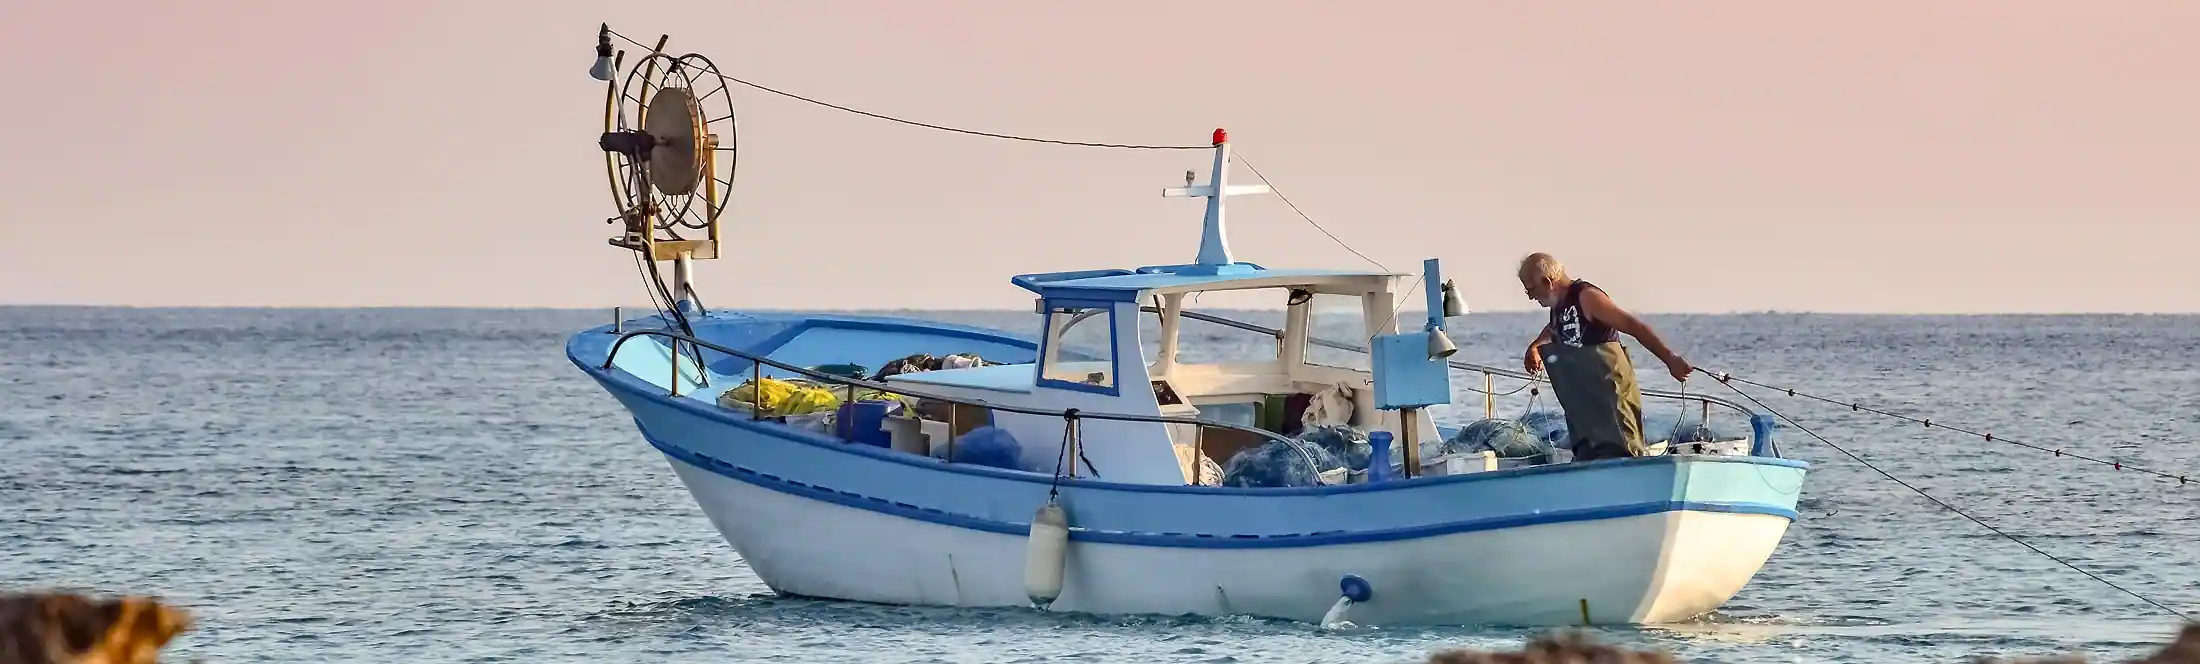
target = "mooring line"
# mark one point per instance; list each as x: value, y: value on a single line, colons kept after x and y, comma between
x: 1723, y: 380
x: 927, y: 125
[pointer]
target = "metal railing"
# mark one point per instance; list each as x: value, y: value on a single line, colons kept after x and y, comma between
x: 1705, y: 399
x: 1069, y: 416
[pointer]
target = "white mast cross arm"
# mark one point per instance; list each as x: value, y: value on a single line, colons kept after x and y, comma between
x: 1209, y: 190
x: 1214, y: 241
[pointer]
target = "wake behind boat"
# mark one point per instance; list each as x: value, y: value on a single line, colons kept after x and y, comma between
x: 1100, y: 465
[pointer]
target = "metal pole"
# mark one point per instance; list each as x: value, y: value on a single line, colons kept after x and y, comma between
x: 1199, y: 455
x: 1489, y: 396
x: 849, y: 428
x: 1076, y: 447
x: 675, y: 367
x: 1408, y: 417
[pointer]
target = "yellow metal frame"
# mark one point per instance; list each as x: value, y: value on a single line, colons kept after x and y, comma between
x: 713, y: 201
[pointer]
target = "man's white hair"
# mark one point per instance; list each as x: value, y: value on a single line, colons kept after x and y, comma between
x: 1543, y: 265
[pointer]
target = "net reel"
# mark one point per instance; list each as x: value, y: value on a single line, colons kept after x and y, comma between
x: 669, y: 152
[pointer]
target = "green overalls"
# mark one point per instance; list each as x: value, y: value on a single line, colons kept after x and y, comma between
x: 1594, y: 381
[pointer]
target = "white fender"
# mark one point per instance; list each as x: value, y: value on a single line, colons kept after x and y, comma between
x: 1045, y: 554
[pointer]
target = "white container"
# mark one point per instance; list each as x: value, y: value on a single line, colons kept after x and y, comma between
x: 906, y: 434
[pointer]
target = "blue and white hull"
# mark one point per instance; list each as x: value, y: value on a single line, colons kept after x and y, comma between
x: 1657, y: 567
x: 1646, y: 540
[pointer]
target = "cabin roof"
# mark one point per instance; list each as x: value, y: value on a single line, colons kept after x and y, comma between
x: 1120, y: 285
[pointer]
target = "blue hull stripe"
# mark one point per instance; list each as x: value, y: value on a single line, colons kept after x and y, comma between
x: 1197, y: 541
x: 619, y: 382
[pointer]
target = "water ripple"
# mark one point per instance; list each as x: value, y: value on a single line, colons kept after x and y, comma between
x: 441, y: 486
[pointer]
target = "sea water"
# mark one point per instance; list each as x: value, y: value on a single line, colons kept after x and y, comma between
x: 444, y: 486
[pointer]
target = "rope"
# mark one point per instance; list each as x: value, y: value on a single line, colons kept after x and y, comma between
x: 1505, y: 393
x: 1943, y: 504
x: 971, y: 132
x: 1069, y: 433
x: 1302, y: 213
x: 1928, y: 423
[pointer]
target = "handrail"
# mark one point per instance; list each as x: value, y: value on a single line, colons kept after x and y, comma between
x: 1069, y: 414
x: 1455, y: 364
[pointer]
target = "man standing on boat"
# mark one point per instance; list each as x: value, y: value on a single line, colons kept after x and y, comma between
x: 1590, y: 372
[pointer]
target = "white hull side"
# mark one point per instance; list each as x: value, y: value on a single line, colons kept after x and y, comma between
x: 1639, y: 569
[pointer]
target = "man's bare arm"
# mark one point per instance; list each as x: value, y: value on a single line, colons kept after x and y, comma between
x: 1600, y: 307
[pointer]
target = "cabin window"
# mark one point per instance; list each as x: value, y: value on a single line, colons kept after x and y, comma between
x: 1340, y: 318
x: 1080, y: 347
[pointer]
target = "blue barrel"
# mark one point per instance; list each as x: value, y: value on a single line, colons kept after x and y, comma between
x: 859, y: 422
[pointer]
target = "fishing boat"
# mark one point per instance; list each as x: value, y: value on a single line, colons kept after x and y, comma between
x: 1079, y: 465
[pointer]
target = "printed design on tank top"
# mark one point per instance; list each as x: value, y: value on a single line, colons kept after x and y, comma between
x: 1569, y: 323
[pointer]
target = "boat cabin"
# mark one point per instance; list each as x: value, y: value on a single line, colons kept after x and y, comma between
x: 1093, y: 357
x: 1114, y: 341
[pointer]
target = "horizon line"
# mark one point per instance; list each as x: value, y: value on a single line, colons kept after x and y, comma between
x: 1403, y: 314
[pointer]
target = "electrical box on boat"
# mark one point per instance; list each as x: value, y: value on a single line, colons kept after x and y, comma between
x: 1405, y: 375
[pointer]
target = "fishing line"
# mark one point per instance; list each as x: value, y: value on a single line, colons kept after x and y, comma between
x: 926, y: 125
x: 1943, y: 504
x: 1928, y: 423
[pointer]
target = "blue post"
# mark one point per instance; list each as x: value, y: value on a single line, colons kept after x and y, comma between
x: 1378, y: 459
x: 1760, y: 436
x: 1432, y: 286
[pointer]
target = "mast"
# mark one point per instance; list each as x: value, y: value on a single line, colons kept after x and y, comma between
x: 1214, y: 240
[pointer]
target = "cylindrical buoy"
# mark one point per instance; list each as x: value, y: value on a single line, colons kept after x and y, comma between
x: 1044, y: 555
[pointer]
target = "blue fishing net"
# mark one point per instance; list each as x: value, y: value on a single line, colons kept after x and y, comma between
x: 1280, y: 464
x: 1347, y: 443
x: 1508, y: 438
x: 1548, y: 426
x: 1657, y: 427
x: 989, y: 446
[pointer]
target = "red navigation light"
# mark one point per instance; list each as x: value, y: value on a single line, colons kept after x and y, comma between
x: 1221, y: 136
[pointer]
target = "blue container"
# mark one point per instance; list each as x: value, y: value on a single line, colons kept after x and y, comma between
x: 1378, y: 457
x: 859, y: 422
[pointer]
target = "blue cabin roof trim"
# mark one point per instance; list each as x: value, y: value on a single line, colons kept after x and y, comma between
x: 1118, y: 285
x: 1031, y: 282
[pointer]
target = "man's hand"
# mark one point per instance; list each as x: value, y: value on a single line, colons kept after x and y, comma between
x: 1534, y: 361
x: 1678, y: 367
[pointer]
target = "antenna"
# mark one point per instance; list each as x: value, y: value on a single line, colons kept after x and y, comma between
x: 669, y: 153
x: 1214, y: 240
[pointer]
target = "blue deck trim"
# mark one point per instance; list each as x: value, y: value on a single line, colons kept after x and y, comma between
x: 621, y: 382
x: 1006, y: 378
x: 806, y: 323
x: 1191, y: 540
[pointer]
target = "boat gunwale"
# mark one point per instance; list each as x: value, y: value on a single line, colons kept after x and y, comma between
x: 620, y: 381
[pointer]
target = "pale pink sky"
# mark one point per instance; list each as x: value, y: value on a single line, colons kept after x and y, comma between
x: 1883, y: 156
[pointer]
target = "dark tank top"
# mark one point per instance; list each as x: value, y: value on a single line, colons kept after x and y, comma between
x: 1572, y: 327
